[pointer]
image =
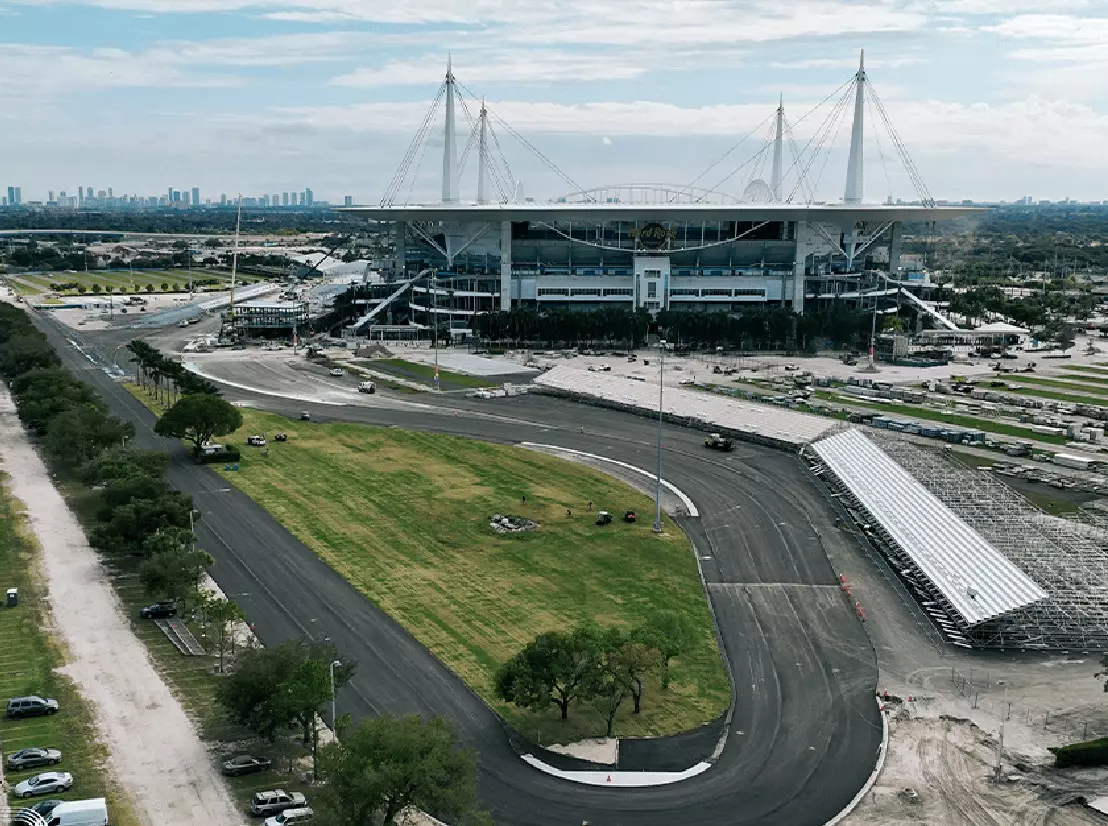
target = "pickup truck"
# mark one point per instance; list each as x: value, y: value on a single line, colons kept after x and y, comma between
x: 718, y: 442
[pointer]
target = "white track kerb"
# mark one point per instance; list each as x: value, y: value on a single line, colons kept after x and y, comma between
x: 690, y: 508
x: 882, y: 753
x: 617, y: 778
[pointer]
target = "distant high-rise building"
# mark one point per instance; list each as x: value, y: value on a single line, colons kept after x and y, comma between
x: 284, y: 199
x: 223, y: 200
x: 307, y: 197
x: 88, y: 193
x: 50, y: 197
x: 80, y: 195
x: 11, y: 196
x: 348, y: 200
x: 101, y: 194
x: 110, y: 192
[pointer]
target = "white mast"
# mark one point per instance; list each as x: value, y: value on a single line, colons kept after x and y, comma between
x: 854, y: 167
x: 235, y: 263
x: 482, y: 151
x: 775, y: 181
x: 449, y: 160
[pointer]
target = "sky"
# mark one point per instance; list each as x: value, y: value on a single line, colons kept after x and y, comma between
x: 990, y: 99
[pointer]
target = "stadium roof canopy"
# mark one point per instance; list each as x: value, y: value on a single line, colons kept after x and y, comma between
x: 978, y: 580
x: 842, y: 214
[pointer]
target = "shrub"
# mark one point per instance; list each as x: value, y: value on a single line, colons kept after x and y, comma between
x: 230, y: 454
x: 1088, y: 753
x: 149, y: 288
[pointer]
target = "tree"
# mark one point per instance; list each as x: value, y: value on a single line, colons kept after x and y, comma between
x: 119, y: 463
x: 199, y: 418
x: 130, y: 524
x: 220, y: 615
x: 554, y: 669
x: 388, y: 765
x: 26, y: 351
x: 174, y: 574
x: 79, y: 434
x: 668, y: 632
x: 42, y: 393
x: 282, y: 687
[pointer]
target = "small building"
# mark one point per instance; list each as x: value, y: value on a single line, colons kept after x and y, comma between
x: 269, y: 319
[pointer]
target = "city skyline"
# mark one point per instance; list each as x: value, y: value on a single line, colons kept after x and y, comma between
x: 993, y: 98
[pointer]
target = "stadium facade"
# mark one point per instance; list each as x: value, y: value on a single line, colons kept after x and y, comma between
x: 647, y: 246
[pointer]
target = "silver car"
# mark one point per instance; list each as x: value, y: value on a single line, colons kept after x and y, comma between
x: 33, y: 758
x: 45, y: 783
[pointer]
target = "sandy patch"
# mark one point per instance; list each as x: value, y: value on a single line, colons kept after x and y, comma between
x: 154, y: 750
x: 601, y: 750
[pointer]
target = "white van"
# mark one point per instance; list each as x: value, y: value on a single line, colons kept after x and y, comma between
x: 367, y: 387
x: 291, y: 817
x: 92, y: 812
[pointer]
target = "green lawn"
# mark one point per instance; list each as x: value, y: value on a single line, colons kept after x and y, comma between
x: 405, y: 518
x: 28, y: 659
x: 416, y: 371
x: 930, y: 414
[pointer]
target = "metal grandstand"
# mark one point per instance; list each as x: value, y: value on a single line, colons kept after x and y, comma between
x: 1039, y: 582
x: 1068, y: 558
x: 964, y: 574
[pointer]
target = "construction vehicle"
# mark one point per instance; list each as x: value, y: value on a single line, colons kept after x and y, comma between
x: 718, y: 442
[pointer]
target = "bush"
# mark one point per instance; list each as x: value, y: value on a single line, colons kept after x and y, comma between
x: 230, y: 454
x: 1089, y: 753
x: 149, y: 288
x: 165, y: 286
x: 96, y: 288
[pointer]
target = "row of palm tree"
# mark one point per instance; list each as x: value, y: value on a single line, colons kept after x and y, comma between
x: 169, y: 379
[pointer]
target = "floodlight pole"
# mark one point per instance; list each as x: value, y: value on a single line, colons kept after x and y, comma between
x: 661, y: 386
x: 334, y: 731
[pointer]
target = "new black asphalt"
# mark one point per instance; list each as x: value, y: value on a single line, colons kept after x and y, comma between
x: 805, y: 731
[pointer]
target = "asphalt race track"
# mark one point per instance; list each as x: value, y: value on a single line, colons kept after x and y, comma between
x: 806, y: 729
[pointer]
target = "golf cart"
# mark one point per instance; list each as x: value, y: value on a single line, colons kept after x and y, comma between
x: 305, y: 416
x: 603, y: 518
x: 629, y: 516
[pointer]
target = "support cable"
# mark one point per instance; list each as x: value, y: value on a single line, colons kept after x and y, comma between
x: 902, y: 150
x: 401, y: 174
x: 833, y: 119
x: 880, y: 151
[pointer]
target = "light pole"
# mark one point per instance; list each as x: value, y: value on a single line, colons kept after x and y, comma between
x: 1000, y: 740
x: 661, y: 386
x: 334, y: 664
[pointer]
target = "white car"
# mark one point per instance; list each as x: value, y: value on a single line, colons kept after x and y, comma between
x: 337, y: 371
x: 256, y: 441
x: 45, y: 783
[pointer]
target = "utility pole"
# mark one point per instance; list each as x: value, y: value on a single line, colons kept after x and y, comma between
x: 435, y: 320
x: 1000, y: 739
x: 235, y: 265
x: 661, y: 386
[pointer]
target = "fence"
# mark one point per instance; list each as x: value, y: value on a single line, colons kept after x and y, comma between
x: 979, y: 686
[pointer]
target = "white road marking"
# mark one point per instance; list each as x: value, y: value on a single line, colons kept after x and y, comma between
x: 690, y: 508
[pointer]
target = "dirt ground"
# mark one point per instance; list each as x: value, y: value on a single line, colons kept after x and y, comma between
x: 940, y: 773
x: 154, y: 750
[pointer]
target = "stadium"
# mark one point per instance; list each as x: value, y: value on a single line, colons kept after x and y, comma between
x: 645, y: 246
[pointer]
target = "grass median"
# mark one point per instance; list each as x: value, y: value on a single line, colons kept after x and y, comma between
x: 405, y: 516
x: 29, y: 659
x: 416, y: 371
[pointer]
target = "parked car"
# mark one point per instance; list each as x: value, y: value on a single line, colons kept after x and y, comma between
x: 33, y: 758
x: 305, y: 416
x: 91, y: 812
x: 291, y: 817
x: 275, y: 801
x: 42, y: 808
x: 245, y: 764
x: 45, y: 783
x: 256, y: 440
x: 337, y: 371
x: 32, y: 706
x: 159, y: 610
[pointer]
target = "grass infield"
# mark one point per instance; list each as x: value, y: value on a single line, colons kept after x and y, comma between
x: 404, y: 517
